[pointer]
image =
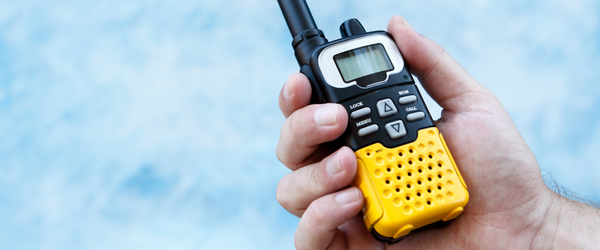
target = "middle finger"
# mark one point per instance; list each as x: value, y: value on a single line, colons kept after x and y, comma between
x: 297, y: 190
x: 306, y: 129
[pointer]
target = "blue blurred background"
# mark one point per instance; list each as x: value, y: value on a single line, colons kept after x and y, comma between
x: 153, y: 124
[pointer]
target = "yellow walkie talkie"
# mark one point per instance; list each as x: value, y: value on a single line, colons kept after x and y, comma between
x: 405, y: 170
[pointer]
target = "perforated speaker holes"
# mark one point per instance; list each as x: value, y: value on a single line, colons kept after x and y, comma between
x: 421, y: 179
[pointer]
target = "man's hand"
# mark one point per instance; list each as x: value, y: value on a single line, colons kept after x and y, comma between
x: 510, y: 206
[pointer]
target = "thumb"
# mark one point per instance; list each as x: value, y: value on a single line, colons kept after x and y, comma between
x: 446, y: 81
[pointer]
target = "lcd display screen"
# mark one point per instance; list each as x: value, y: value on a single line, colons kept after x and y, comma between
x: 363, y: 61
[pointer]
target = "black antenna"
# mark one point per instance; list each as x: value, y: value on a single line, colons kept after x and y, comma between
x: 306, y: 35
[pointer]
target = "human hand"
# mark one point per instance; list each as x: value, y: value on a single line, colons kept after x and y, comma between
x: 510, y: 206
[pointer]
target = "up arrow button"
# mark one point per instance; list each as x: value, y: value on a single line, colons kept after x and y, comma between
x: 386, y: 108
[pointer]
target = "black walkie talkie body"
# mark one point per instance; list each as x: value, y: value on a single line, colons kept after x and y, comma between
x: 405, y: 170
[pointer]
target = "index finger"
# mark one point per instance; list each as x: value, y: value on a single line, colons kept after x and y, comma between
x: 295, y: 94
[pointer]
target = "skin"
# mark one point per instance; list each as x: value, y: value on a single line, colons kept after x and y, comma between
x: 510, y: 206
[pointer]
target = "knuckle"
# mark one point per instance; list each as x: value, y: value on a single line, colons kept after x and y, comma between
x: 315, y: 178
x: 279, y: 152
x: 299, y: 243
x: 288, y: 139
x: 315, y: 216
x: 285, y: 197
x: 281, y: 196
x: 294, y: 126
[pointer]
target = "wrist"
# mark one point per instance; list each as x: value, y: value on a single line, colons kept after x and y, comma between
x: 567, y: 224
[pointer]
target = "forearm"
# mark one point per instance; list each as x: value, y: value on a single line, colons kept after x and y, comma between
x: 568, y: 224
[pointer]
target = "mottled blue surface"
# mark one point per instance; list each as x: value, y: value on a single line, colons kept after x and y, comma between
x: 153, y: 124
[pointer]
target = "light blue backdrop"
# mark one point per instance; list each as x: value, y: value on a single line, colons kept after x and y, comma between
x: 153, y: 124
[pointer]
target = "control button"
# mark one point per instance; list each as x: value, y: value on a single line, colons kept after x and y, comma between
x: 368, y: 130
x: 415, y: 116
x: 360, y: 113
x: 407, y: 99
x: 386, y: 108
x: 395, y: 129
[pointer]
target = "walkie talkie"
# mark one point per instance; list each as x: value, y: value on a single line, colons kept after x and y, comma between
x: 405, y: 170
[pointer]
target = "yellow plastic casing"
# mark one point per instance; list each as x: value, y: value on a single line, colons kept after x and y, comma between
x: 409, y: 186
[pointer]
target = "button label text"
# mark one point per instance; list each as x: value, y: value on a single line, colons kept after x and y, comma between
x: 356, y: 105
x: 363, y: 122
x: 413, y: 108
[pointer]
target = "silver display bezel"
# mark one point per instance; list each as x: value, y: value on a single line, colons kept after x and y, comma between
x: 329, y: 69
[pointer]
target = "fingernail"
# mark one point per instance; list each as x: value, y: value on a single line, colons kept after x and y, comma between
x: 404, y: 22
x: 401, y: 21
x: 333, y: 164
x: 347, y: 196
x: 286, y: 89
x: 326, y: 116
